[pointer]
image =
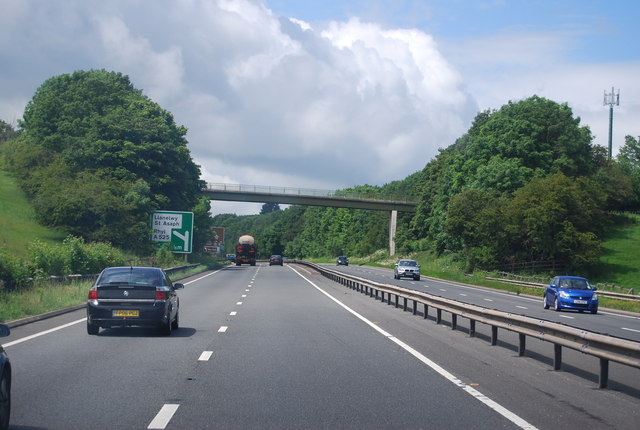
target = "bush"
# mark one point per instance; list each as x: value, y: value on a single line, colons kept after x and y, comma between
x: 14, y: 273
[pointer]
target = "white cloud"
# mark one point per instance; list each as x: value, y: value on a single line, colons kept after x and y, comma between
x: 274, y: 100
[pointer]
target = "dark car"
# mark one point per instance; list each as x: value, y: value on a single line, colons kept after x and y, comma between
x: 133, y: 296
x: 342, y: 261
x: 276, y: 259
x: 407, y: 268
x: 5, y: 383
x: 571, y: 292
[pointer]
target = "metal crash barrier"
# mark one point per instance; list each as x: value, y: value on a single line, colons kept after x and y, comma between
x: 606, y: 348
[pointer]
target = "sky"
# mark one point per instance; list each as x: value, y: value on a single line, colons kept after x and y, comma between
x: 330, y: 94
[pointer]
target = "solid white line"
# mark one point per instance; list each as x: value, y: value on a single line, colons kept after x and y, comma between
x: 234, y: 313
x: 522, y: 307
x: 470, y: 390
x: 567, y: 317
x: 623, y: 328
x: 164, y: 416
x: 205, y: 356
x: 42, y: 333
x: 488, y: 300
x: 223, y: 329
x: 202, y: 277
x: 463, y: 295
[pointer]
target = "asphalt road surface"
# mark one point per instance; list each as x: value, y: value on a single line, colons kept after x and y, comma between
x: 271, y: 347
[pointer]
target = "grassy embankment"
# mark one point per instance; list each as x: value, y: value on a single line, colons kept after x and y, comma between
x: 19, y: 228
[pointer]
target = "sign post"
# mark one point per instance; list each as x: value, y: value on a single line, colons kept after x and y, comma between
x: 175, y: 228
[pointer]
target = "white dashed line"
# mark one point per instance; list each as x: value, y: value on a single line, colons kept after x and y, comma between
x: 522, y: 307
x: 223, y: 329
x: 233, y: 314
x: 205, y: 356
x: 442, y: 289
x: 463, y: 295
x: 488, y: 300
x: 239, y: 303
x: 244, y: 295
x: 631, y: 329
x: 567, y: 317
x: 164, y: 416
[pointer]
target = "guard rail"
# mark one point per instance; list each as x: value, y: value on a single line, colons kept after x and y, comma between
x: 605, y: 348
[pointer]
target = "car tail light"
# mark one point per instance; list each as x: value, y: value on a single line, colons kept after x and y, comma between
x: 161, y: 295
x: 93, y: 294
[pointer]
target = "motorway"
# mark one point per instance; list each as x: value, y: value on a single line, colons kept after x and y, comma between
x: 622, y: 325
x: 270, y: 347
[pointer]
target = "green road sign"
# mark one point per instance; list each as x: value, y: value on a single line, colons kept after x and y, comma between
x: 173, y: 227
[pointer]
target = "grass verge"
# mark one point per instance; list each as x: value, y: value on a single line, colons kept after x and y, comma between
x: 45, y: 296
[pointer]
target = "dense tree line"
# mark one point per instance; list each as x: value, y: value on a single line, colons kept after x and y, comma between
x: 525, y: 183
x: 96, y: 157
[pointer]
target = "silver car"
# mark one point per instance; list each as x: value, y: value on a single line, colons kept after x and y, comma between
x: 407, y: 268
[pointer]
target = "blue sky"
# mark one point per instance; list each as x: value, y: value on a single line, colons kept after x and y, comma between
x: 331, y: 94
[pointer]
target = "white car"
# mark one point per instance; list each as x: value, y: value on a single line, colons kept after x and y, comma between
x: 407, y: 268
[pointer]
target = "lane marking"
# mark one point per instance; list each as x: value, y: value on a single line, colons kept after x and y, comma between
x: 223, y: 329
x: 463, y: 295
x: 244, y: 295
x: 234, y: 313
x: 42, y: 333
x: 202, y: 277
x: 205, y: 356
x: 567, y: 317
x: 488, y: 300
x: 164, y: 416
x: 631, y: 329
x: 449, y: 376
x: 522, y: 307
x: 238, y: 303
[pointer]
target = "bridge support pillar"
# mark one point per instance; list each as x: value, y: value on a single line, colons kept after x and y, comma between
x: 392, y: 232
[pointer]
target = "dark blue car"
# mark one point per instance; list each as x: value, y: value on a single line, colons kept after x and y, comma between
x: 571, y: 292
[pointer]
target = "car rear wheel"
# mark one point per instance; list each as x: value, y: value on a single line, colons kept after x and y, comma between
x: 556, y: 305
x: 175, y: 325
x: 92, y: 329
x: 5, y: 400
x: 544, y: 302
x: 166, y: 328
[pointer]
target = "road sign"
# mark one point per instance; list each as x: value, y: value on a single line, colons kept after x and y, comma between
x: 173, y: 227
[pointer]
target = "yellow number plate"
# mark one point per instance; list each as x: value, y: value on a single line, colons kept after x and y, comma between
x: 126, y: 313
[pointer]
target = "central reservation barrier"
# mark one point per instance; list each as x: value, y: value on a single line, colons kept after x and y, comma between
x: 605, y: 348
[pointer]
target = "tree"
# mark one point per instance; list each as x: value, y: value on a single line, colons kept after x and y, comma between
x: 108, y: 155
x: 7, y: 131
x: 269, y: 207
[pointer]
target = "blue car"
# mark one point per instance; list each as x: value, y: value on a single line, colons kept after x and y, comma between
x: 571, y: 292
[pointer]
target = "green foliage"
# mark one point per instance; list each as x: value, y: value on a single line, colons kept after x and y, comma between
x: 73, y: 256
x: 97, y: 157
x: 7, y: 132
x: 14, y: 272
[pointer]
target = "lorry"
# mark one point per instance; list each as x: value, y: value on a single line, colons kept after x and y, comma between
x: 246, y: 250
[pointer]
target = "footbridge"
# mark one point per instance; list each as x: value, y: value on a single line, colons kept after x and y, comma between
x: 311, y: 197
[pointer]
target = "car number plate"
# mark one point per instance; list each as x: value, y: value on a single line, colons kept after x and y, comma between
x: 580, y: 302
x: 126, y: 313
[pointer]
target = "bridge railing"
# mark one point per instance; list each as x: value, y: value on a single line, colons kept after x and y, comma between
x: 262, y: 189
x: 604, y: 347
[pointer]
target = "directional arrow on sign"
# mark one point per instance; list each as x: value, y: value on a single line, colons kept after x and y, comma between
x: 184, y: 237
